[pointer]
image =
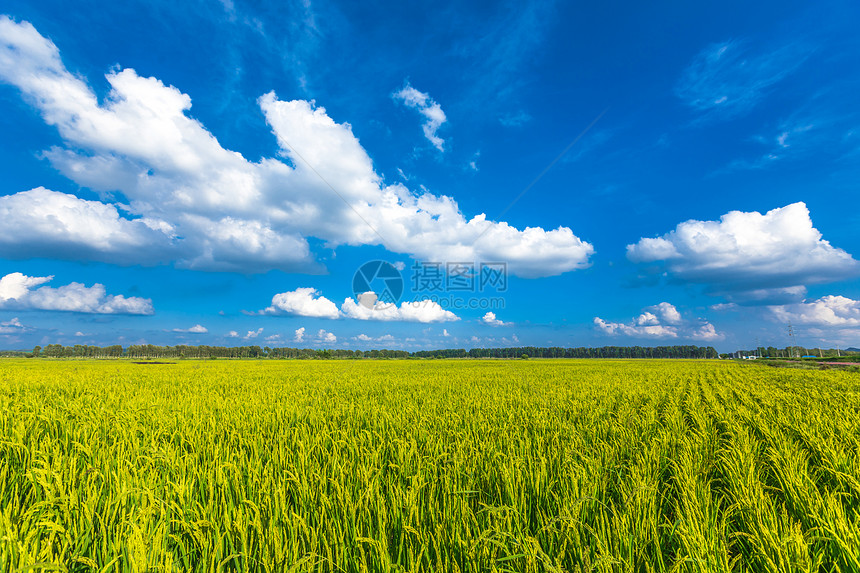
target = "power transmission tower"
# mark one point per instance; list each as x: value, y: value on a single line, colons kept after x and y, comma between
x: 792, y: 339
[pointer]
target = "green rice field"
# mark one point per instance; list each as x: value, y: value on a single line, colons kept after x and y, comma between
x: 437, y: 465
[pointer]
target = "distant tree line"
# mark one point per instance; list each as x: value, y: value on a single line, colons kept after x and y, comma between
x: 789, y: 352
x: 146, y: 351
x: 13, y: 354
x: 581, y: 352
x: 78, y: 351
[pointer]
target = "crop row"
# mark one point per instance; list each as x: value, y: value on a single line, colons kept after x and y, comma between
x: 428, y: 466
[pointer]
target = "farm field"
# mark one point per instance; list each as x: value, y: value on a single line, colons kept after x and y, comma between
x: 438, y: 465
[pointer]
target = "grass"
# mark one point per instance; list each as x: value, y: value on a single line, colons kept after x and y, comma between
x: 428, y: 466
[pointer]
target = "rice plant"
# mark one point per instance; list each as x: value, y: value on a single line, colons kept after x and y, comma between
x: 454, y: 466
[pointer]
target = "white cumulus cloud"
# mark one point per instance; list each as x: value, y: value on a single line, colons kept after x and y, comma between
x: 201, y: 206
x: 40, y: 220
x: 827, y: 311
x: 326, y: 337
x: 660, y: 321
x: 650, y: 330
x: 747, y: 256
x: 368, y: 308
x: 18, y: 291
x: 299, y: 334
x: 386, y: 338
x: 490, y: 319
x: 303, y: 302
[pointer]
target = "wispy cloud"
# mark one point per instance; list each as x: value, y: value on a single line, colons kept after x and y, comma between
x: 589, y: 143
x: 515, y: 119
x: 729, y: 79
x: 819, y: 130
x: 473, y: 163
x: 506, y: 41
x: 13, y: 326
x: 196, y: 329
x: 427, y: 107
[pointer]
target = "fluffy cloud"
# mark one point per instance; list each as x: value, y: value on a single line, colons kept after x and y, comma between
x: 301, y: 302
x: 40, y: 220
x: 18, y: 291
x: 827, y: 311
x: 659, y: 321
x: 652, y: 330
x: 706, y: 332
x: 326, y: 337
x: 196, y: 329
x: 659, y: 313
x: 490, y: 319
x: 202, y: 206
x: 426, y: 106
x: 310, y: 302
x: 253, y: 334
x: 387, y: 338
x: 321, y: 337
x: 367, y: 308
x: 749, y: 257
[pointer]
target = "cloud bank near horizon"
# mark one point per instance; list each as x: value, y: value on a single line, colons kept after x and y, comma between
x: 21, y: 292
x: 660, y: 321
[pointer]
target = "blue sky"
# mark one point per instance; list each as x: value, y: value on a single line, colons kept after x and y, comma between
x: 217, y: 172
